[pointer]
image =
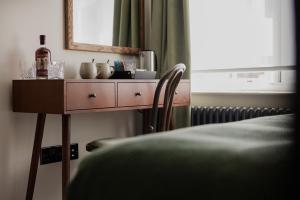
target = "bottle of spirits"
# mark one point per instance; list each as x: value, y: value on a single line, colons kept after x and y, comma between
x: 42, y: 59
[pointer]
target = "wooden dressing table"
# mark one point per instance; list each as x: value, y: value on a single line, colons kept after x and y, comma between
x: 65, y: 97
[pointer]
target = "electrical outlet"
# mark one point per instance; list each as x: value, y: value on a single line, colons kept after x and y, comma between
x: 53, y: 154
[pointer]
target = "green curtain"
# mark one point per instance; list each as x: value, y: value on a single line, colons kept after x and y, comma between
x: 170, y: 39
x: 126, y: 31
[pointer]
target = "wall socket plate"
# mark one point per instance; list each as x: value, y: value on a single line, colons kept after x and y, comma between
x: 53, y: 154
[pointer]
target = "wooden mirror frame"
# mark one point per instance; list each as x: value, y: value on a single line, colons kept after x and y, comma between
x: 71, y: 45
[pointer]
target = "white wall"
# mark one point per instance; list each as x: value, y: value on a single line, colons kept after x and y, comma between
x: 21, y: 23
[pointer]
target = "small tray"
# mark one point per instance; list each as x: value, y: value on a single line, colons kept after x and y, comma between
x: 145, y: 75
x: 121, y: 75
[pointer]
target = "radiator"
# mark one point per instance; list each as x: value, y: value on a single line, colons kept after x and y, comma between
x: 210, y: 115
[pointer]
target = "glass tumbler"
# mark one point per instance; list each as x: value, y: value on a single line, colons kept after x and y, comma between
x: 56, y: 70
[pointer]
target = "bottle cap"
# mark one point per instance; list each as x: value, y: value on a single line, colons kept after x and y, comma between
x: 42, y: 39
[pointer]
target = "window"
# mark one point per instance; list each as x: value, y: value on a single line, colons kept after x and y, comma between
x: 242, y: 45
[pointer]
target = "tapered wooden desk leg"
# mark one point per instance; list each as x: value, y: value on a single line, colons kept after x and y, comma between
x: 65, y: 154
x: 146, y: 120
x: 39, y: 131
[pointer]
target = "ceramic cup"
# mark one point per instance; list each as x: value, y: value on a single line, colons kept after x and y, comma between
x: 104, y: 71
x: 88, y: 70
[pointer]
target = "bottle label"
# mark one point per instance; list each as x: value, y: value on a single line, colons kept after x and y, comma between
x: 42, y: 63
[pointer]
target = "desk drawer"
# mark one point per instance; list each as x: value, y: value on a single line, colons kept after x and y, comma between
x: 181, y: 96
x: 135, y: 94
x: 84, y: 96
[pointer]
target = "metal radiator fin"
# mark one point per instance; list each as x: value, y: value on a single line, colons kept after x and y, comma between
x: 213, y: 115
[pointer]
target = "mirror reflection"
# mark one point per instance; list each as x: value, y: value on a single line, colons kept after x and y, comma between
x: 93, y: 21
x: 109, y: 23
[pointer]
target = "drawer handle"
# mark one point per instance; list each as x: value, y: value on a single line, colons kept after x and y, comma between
x: 92, y: 95
x: 138, y: 94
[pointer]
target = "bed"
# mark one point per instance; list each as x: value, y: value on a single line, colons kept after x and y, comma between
x: 249, y: 159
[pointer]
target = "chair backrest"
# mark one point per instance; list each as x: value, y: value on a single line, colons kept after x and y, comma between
x: 172, y: 77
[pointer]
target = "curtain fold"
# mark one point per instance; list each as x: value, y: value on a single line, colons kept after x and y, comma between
x: 170, y: 39
x: 126, y: 23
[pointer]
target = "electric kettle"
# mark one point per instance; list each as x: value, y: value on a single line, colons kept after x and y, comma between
x: 148, y: 60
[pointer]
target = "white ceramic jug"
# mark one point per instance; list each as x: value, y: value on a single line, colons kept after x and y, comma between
x: 88, y: 70
x: 104, y: 71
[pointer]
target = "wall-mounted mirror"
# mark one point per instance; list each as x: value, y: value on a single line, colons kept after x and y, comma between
x: 114, y: 26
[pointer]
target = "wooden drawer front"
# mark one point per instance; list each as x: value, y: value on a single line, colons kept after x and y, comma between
x: 181, y: 96
x: 83, y: 96
x: 135, y: 94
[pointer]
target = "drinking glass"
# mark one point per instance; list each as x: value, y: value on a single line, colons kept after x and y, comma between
x: 56, y: 70
x: 28, y: 73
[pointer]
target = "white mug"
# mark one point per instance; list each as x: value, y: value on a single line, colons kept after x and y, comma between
x: 88, y: 70
x: 104, y: 71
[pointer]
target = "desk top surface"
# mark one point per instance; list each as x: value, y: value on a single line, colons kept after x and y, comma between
x: 95, y: 80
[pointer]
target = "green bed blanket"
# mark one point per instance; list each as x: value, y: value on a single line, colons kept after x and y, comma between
x: 250, y: 159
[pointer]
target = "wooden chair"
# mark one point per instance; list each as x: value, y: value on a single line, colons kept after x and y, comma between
x: 172, y: 77
x: 159, y: 121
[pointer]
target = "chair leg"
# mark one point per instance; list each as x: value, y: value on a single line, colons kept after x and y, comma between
x: 146, y: 118
x: 172, y: 123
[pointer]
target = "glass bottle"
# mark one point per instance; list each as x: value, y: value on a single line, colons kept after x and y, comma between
x: 42, y: 59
